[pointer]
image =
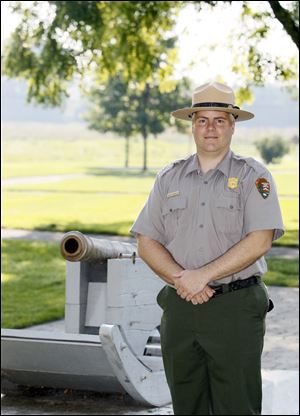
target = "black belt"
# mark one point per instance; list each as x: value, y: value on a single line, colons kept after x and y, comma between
x: 239, y: 284
x: 236, y: 285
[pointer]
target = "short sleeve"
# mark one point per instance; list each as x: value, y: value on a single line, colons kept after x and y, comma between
x: 149, y: 221
x: 262, y: 209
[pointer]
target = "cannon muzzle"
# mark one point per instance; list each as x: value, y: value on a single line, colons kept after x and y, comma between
x: 76, y: 246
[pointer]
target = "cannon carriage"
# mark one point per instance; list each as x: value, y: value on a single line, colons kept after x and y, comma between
x: 111, y: 339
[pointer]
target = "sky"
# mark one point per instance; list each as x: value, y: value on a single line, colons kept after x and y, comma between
x: 197, y: 33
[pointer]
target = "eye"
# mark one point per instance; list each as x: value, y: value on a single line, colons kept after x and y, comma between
x: 220, y: 121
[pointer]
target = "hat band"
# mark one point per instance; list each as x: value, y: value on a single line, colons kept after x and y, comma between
x: 215, y: 105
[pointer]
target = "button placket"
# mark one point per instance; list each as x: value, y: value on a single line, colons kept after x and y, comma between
x: 201, y: 218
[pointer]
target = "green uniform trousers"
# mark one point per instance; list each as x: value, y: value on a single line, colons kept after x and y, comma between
x: 212, y: 351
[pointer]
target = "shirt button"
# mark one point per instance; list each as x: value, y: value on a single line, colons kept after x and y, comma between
x: 205, y: 182
x: 201, y: 225
x: 231, y: 207
x: 203, y: 203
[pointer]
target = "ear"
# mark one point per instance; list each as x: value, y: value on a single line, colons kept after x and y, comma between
x: 233, y: 127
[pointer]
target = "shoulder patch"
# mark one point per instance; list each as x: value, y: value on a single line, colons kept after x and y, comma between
x: 263, y: 187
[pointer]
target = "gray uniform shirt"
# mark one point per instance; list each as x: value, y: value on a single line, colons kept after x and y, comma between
x: 198, y: 217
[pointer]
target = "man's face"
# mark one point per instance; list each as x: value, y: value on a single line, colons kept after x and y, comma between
x: 212, y: 131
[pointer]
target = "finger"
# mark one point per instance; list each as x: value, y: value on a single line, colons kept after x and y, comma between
x: 197, y: 299
x: 205, y: 298
x: 180, y: 292
x: 210, y: 292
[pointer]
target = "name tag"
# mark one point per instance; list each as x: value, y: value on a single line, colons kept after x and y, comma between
x: 170, y: 194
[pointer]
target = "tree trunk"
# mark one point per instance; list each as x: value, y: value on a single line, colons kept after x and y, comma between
x: 144, y: 122
x: 145, y: 153
x: 126, y: 152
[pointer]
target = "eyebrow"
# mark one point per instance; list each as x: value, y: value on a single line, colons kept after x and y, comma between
x: 214, y: 118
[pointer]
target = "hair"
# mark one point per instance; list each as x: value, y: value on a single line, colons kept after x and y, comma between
x: 231, y: 117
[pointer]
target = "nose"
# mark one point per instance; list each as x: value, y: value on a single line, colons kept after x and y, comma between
x: 210, y: 124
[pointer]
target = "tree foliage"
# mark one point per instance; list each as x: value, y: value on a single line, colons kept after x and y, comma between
x: 105, y: 38
x: 128, y: 110
x: 57, y: 40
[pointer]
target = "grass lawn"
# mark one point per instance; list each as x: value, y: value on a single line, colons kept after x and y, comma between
x: 282, y: 272
x: 33, y: 282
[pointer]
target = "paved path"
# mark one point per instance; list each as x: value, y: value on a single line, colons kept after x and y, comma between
x: 40, y: 179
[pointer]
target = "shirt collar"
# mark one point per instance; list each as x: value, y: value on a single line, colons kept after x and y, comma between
x: 193, y: 165
x: 223, y: 166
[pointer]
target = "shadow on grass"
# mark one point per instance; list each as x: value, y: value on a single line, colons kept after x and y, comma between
x: 72, y: 191
x: 115, y: 228
x: 130, y: 172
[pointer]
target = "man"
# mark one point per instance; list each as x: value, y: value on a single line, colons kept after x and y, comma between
x: 208, y: 221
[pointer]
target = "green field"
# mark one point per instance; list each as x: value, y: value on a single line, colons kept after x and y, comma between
x: 106, y: 198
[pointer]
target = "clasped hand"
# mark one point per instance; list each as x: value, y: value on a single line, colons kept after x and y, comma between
x: 191, y: 287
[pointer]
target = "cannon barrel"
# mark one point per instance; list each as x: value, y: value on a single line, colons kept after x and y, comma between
x: 76, y: 246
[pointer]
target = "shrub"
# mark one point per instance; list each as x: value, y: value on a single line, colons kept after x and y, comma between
x: 272, y: 149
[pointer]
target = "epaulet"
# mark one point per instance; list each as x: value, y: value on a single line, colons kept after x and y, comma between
x: 253, y: 163
x: 171, y: 166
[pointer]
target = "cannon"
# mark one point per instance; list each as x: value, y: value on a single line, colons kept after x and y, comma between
x: 111, y: 340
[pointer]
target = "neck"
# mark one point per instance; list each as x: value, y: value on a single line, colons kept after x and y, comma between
x: 209, y: 161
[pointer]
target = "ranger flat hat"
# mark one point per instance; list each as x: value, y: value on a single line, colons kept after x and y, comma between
x: 216, y: 97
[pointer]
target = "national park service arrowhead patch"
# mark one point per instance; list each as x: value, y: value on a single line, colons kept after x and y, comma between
x: 263, y: 187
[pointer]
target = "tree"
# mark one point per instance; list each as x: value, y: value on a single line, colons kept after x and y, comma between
x: 129, y: 38
x: 272, y: 149
x: 128, y: 110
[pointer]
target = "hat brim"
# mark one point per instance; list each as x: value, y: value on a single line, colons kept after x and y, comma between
x: 186, y: 113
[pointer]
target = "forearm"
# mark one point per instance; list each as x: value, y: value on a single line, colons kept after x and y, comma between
x: 240, y: 256
x: 158, y: 258
x: 191, y: 283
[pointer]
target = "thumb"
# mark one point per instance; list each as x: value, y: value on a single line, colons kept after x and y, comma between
x: 177, y: 274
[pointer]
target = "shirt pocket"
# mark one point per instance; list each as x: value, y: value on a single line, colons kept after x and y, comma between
x: 172, y: 212
x: 228, y: 214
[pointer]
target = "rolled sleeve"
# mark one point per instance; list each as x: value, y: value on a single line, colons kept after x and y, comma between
x: 263, y: 213
x: 149, y: 221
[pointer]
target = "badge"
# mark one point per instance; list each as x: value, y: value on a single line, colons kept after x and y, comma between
x: 233, y: 183
x: 263, y: 187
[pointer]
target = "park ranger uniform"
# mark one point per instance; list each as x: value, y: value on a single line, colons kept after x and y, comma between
x: 198, y: 217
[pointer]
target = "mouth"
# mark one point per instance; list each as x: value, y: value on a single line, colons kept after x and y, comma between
x: 210, y: 137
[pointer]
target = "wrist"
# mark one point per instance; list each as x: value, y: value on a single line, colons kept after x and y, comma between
x: 205, y: 275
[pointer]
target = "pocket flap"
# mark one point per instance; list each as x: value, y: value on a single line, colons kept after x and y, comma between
x: 174, y: 203
x: 231, y: 204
